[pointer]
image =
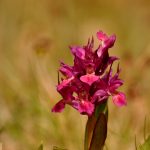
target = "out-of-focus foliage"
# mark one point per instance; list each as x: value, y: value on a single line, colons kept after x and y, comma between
x: 34, y: 37
x: 40, y: 147
x: 146, y: 145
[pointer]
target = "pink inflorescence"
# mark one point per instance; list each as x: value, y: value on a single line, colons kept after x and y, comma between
x: 87, y: 84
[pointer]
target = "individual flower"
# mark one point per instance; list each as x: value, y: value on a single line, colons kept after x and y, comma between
x: 90, y: 81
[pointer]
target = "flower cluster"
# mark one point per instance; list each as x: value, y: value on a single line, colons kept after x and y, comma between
x: 88, y: 82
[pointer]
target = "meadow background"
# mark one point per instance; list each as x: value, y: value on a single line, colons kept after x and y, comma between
x: 34, y: 37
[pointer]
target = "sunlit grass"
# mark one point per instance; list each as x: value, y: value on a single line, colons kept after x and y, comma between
x: 34, y: 37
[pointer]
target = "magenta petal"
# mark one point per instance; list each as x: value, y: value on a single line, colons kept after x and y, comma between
x: 119, y: 99
x: 84, y: 107
x: 66, y: 70
x: 107, y: 42
x: 101, y: 36
x: 59, y: 106
x: 100, y: 95
x: 89, y: 81
x: 100, y: 51
x: 64, y: 83
x: 89, y: 78
x: 110, y: 41
x: 78, y: 51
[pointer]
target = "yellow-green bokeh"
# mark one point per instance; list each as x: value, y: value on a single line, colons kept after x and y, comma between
x: 34, y: 37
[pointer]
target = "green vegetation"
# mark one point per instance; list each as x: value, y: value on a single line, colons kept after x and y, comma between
x: 34, y: 36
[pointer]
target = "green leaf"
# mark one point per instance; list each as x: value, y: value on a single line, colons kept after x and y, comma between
x: 91, y: 122
x: 40, y: 147
x: 102, y: 108
x: 99, y: 133
x: 146, y: 145
x: 89, y: 131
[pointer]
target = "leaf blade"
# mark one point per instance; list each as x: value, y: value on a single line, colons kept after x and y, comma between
x: 99, y: 133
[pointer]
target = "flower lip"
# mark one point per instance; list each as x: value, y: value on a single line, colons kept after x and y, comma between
x: 84, y: 107
x: 119, y: 99
x: 102, y: 36
x: 106, y: 42
x: 89, y: 78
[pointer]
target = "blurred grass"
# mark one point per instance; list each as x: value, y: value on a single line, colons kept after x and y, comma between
x: 34, y: 37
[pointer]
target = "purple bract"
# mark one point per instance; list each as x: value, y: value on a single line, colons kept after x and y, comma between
x: 88, y: 82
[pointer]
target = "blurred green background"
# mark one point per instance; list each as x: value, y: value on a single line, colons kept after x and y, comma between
x: 34, y: 37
